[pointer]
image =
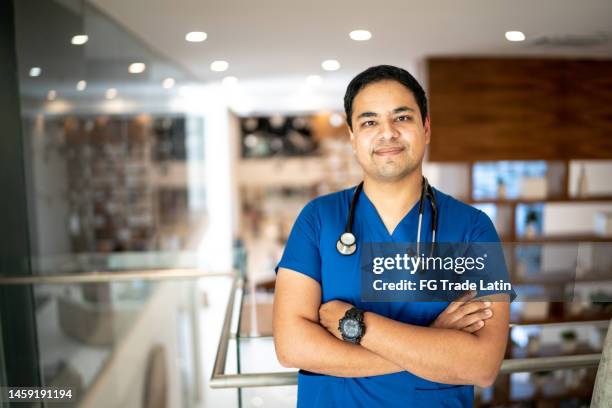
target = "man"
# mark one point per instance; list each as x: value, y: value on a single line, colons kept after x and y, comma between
x: 410, y: 354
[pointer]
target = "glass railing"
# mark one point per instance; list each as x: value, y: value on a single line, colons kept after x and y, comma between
x: 118, y: 261
x: 148, y: 336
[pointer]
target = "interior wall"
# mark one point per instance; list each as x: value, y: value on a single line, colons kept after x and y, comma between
x: 215, y: 248
x: 48, y: 180
x: 235, y: 148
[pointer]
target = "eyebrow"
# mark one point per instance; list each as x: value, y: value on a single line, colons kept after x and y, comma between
x: 396, y: 110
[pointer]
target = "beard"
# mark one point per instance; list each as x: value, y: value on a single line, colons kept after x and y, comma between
x: 391, y: 168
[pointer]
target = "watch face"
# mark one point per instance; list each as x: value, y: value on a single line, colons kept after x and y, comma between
x: 350, y: 328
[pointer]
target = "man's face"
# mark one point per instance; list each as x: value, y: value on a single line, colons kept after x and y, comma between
x: 389, y: 136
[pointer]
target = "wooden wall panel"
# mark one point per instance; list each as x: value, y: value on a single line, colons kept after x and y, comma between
x: 519, y: 109
x: 587, y: 109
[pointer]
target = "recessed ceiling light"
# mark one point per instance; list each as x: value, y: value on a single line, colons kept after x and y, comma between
x: 137, y: 67
x: 81, y: 85
x: 111, y: 93
x: 314, y: 79
x: 196, y: 36
x: 168, y: 83
x: 79, y: 39
x: 515, y: 36
x: 229, y: 80
x: 35, y: 71
x: 360, y: 35
x: 330, y: 65
x: 219, y: 66
x: 51, y: 95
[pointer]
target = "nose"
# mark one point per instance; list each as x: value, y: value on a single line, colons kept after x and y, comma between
x: 388, y: 130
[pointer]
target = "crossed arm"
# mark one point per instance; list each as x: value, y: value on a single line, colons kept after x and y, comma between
x: 306, y: 336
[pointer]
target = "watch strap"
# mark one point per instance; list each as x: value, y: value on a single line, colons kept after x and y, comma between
x: 355, y: 313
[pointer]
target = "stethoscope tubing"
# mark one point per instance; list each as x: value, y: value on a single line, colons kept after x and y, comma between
x: 347, y: 242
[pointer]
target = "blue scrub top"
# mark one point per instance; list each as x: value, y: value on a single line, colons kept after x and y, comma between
x: 311, y: 250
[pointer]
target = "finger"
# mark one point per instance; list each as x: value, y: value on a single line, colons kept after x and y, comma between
x: 473, y: 318
x: 472, y: 307
x: 474, y: 327
x: 460, y: 301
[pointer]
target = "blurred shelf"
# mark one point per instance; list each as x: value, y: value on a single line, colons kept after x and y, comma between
x: 600, y: 323
x: 563, y: 238
x: 563, y: 277
x: 593, y: 317
x: 550, y: 239
x: 517, y: 201
x: 552, y: 350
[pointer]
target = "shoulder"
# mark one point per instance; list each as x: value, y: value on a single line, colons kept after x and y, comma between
x: 337, y: 197
x: 327, y: 205
x: 331, y: 202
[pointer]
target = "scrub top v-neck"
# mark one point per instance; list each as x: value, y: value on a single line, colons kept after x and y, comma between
x: 311, y: 250
x: 374, y: 221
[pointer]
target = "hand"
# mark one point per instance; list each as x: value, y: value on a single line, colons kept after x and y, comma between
x: 464, y: 314
x: 330, y: 314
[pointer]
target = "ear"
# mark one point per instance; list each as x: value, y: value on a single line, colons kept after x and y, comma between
x: 352, y: 138
x: 427, y: 128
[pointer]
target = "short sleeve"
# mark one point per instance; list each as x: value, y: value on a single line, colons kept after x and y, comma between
x: 484, y: 231
x: 301, y: 252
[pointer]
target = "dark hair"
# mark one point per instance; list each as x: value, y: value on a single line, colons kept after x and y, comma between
x: 383, y: 73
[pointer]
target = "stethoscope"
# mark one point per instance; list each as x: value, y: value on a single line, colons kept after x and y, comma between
x: 347, y: 243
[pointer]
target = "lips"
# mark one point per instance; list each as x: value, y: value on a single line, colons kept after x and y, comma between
x: 388, y: 151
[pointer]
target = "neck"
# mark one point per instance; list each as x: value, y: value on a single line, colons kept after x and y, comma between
x: 397, y: 197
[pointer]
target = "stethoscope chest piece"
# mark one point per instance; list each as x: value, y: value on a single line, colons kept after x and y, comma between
x: 346, y: 244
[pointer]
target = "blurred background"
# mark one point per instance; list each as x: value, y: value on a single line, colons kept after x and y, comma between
x: 154, y: 156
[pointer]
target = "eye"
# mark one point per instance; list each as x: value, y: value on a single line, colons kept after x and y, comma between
x: 403, y: 118
x: 368, y: 123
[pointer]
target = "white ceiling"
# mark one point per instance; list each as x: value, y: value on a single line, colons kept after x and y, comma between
x: 272, y: 45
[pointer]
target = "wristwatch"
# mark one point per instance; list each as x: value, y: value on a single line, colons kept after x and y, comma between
x: 352, y: 326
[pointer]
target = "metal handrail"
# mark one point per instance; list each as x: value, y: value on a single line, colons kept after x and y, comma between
x: 106, y: 276
x: 598, y: 323
x: 218, y: 374
x: 520, y: 365
x: 508, y: 366
x: 221, y: 380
